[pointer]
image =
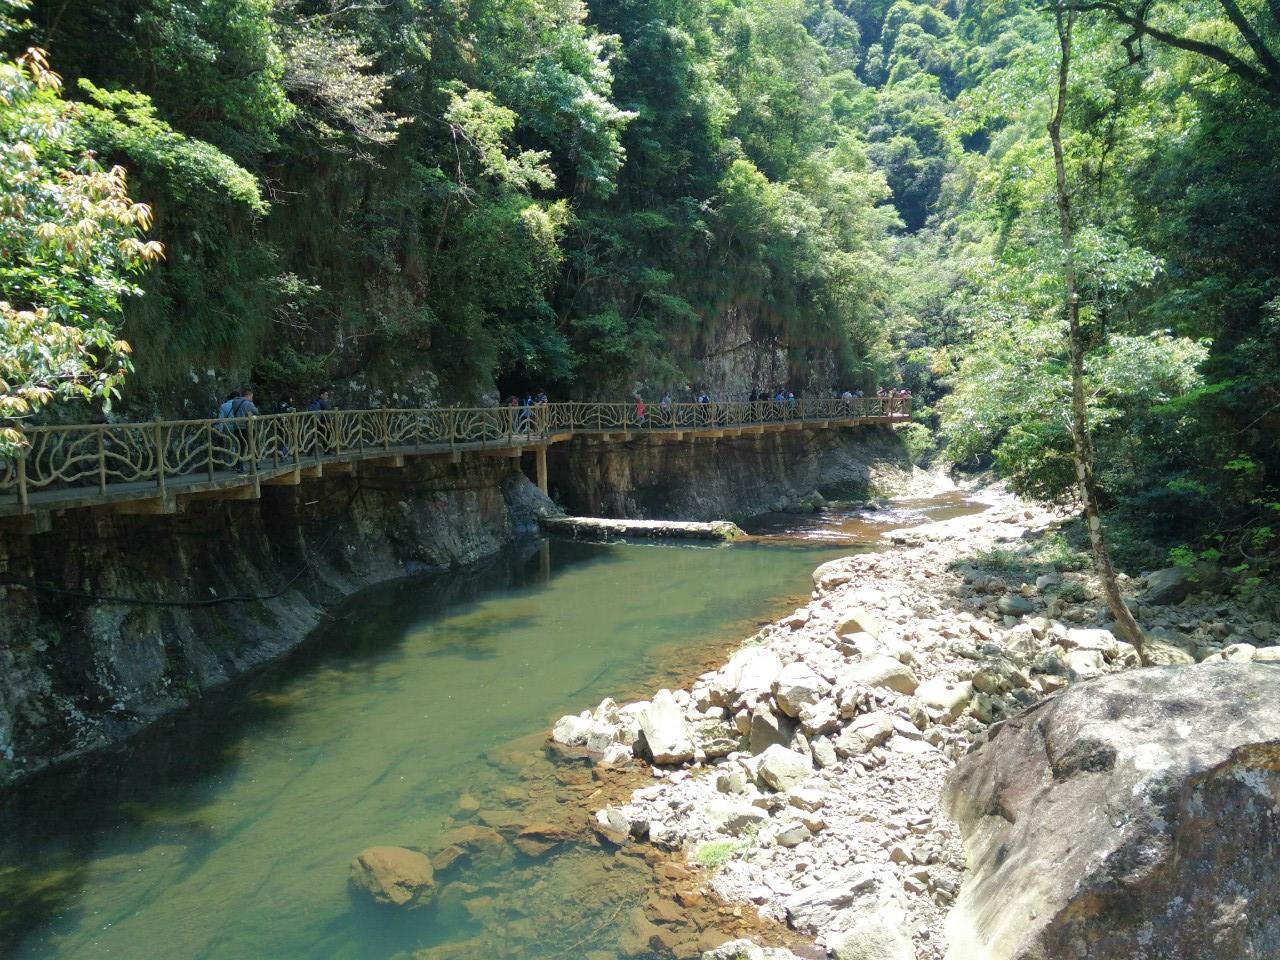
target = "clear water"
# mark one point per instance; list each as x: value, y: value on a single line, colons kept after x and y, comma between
x: 226, y: 833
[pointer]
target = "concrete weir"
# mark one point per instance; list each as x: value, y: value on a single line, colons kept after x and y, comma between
x: 601, y: 528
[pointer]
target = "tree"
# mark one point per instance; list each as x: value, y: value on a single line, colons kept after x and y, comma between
x: 71, y: 242
x: 1083, y: 456
x: 1249, y: 52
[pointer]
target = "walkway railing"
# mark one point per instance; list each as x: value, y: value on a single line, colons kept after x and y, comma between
x: 105, y: 457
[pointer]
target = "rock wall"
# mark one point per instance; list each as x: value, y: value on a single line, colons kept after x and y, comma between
x: 76, y: 674
x: 728, y: 478
x: 741, y: 354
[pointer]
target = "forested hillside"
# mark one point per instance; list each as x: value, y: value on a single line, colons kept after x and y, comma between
x: 422, y: 200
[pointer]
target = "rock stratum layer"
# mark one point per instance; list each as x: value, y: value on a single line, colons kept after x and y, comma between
x: 1133, y: 816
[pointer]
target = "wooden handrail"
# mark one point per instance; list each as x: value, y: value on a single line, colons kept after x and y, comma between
x: 106, y: 456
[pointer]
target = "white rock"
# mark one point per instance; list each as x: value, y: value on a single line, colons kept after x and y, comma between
x: 665, y: 731
x: 793, y: 834
x: 945, y: 697
x: 815, y: 907
x: 877, y: 932
x: 798, y: 686
x: 734, y: 818
x: 865, y: 732
x: 879, y: 671
x: 859, y: 621
x: 783, y: 769
x: 1085, y: 664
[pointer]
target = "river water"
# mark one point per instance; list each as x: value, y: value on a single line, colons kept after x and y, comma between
x: 225, y: 833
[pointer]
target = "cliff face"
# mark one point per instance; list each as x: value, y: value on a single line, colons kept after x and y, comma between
x: 76, y: 674
x: 728, y: 478
x: 80, y: 669
x: 742, y: 354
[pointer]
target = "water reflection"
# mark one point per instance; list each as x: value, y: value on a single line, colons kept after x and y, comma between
x: 225, y: 832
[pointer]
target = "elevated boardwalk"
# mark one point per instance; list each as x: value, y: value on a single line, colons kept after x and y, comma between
x: 158, y: 467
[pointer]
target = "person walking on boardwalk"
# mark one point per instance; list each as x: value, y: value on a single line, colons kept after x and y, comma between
x: 640, y: 408
x: 242, y: 408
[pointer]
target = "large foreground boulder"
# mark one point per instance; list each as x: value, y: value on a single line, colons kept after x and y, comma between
x: 1135, y: 816
x: 393, y: 875
x: 666, y: 733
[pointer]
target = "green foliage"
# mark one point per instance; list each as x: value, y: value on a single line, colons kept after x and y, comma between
x: 72, y: 245
x: 714, y: 854
x: 919, y: 441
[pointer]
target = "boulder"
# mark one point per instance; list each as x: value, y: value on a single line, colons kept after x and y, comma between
x: 572, y: 731
x: 875, y: 930
x: 860, y: 621
x: 946, y: 698
x: 666, y: 734
x: 1080, y: 638
x: 783, y: 769
x: 393, y: 875
x: 540, y: 837
x: 1014, y: 605
x: 879, y: 671
x: 1169, y: 648
x: 818, y: 905
x: 715, y: 738
x: 835, y: 573
x: 820, y: 717
x: 797, y: 686
x: 793, y: 834
x: 1130, y: 816
x: 767, y: 729
x: 865, y: 732
x: 1084, y: 664
x: 747, y: 677
x: 735, y: 818
x: 1166, y: 586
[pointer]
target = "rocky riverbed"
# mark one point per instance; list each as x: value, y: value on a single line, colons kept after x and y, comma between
x: 806, y: 775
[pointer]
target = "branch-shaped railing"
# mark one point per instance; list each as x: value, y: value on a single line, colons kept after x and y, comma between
x: 107, y: 456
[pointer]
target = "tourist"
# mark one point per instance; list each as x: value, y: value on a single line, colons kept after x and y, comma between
x: 846, y: 396
x: 224, y: 409
x: 321, y: 402
x: 242, y: 407
x: 639, y: 411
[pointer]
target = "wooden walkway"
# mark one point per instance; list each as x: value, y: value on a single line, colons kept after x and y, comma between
x: 156, y: 467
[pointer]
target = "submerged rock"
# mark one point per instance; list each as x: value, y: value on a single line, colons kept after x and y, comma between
x: 1132, y: 816
x: 393, y: 875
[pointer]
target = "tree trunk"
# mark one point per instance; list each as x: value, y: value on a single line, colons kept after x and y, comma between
x: 1082, y: 453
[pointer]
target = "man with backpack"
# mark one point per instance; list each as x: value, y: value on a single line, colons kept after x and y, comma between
x: 239, y: 405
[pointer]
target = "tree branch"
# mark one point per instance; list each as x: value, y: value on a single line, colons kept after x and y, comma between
x: 1251, y: 37
x: 1267, y: 80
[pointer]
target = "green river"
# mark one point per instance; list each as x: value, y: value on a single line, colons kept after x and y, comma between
x: 225, y: 833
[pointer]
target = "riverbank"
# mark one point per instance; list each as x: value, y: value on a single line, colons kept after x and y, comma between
x: 804, y: 775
